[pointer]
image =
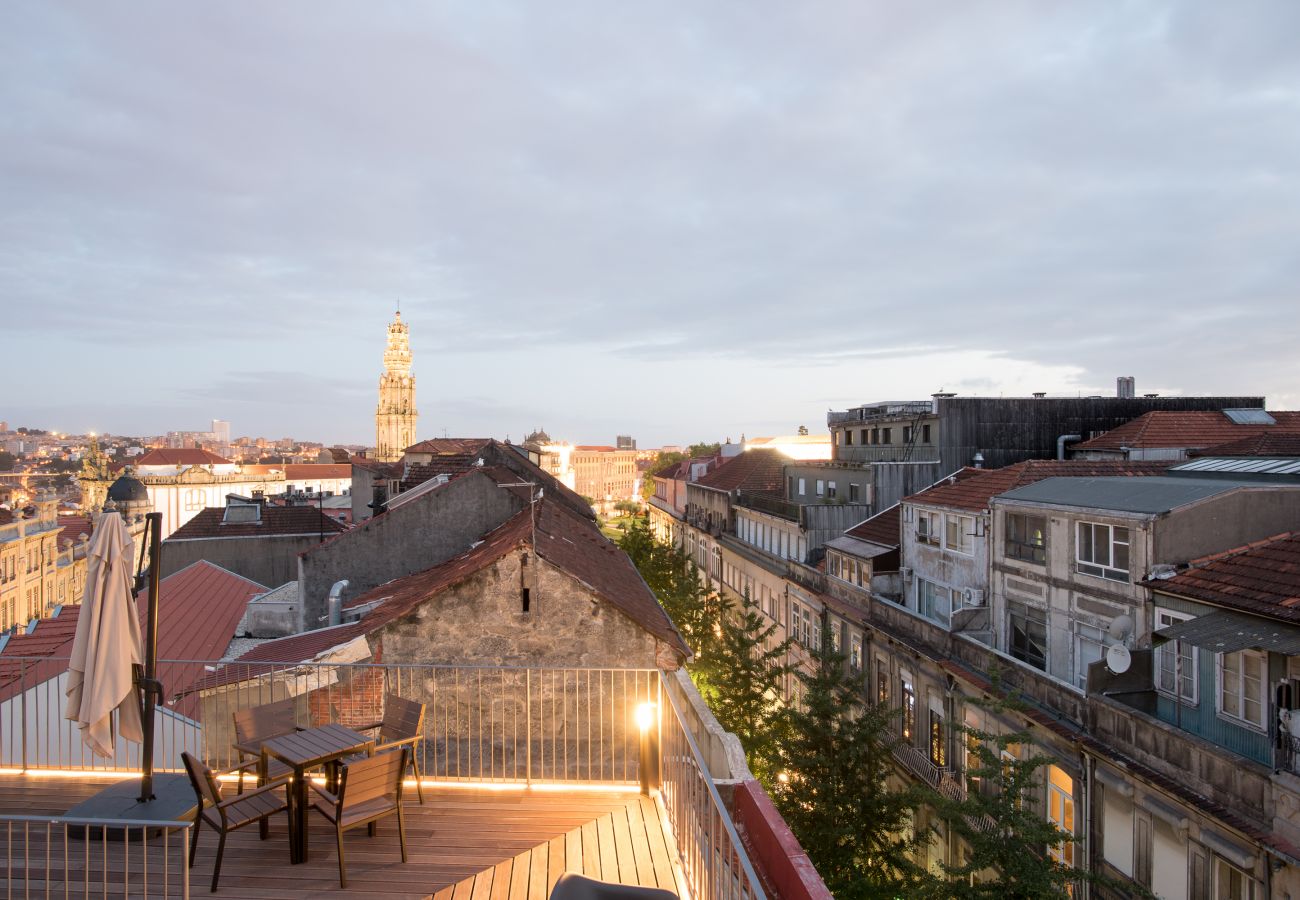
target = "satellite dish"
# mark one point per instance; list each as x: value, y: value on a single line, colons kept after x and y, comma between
x: 1120, y: 628
x: 1118, y: 659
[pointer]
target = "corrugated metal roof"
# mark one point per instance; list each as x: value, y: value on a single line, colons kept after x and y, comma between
x: 1150, y: 495
x: 1241, y: 464
x: 1227, y: 632
x: 863, y: 549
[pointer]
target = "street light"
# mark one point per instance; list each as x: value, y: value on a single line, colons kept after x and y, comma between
x: 647, y: 715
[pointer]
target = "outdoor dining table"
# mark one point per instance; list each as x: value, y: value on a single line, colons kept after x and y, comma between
x: 305, y: 750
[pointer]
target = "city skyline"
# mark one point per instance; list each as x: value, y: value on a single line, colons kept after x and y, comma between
x: 676, y: 223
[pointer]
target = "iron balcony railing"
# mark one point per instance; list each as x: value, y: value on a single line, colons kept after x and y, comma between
x: 62, y: 856
x: 482, y: 724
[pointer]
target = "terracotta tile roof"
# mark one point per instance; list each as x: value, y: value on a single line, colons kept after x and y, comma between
x: 72, y: 529
x: 198, y: 610
x: 973, y: 488
x: 759, y: 470
x: 570, y: 542
x: 277, y: 521
x: 1261, y: 577
x: 1269, y: 443
x: 453, y: 446
x: 884, y: 528
x: 316, y: 471
x: 418, y: 473
x: 392, y: 470
x: 1169, y: 428
x: 185, y: 456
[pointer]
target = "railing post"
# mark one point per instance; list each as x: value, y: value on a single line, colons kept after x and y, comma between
x: 528, y: 726
x: 22, y: 732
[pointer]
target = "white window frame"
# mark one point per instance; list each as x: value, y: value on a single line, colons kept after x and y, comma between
x: 1191, y: 665
x: 1108, y: 569
x: 932, y: 533
x: 937, y: 594
x: 821, y: 488
x: 965, y: 539
x: 1063, y: 852
x: 803, y: 487
x: 1225, y: 680
x: 1224, y: 870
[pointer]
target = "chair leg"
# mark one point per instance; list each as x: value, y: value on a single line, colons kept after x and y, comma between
x: 343, y: 869
x: 216, y: 867
x: 419, y: 788
x: 194, y: 836
x: 401, y: 831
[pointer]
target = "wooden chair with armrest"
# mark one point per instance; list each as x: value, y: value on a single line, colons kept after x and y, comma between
x: 227, y: 815
x: 369, y: 789
x: 402, y: 726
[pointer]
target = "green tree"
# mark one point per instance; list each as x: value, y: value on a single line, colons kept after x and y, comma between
x: 703, y: 449
x: 835, y: 790
x: 747, y: 684
x: 7, y: 461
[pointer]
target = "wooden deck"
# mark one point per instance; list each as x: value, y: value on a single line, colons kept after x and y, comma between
x: 463, y: 844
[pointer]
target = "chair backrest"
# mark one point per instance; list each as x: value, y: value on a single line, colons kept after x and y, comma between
x: 203, y: 781
x: 373, y: 777
x: 259, y: 723
x: 402, y: 719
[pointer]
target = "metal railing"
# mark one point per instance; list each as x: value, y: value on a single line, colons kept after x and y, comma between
x: 49, y: 856
x: 713, y: 859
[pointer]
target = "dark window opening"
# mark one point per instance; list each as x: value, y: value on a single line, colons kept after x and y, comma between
x: 526, y: 598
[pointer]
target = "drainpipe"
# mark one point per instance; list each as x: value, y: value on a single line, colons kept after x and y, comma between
x: 1063, y: 440
x: 336, y: 602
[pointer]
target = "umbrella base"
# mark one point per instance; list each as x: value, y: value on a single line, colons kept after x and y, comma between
x: 173, y: 802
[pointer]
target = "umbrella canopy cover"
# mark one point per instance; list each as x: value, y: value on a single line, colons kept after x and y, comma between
x: 107, y: 643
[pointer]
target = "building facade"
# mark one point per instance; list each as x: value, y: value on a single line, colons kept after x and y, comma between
x: 38, y: 571
x: 396, y: 415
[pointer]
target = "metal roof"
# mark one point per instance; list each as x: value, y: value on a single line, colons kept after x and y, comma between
x: 1227, y: 632
x: 863, y: 549
x: 1241, y: 465
x: 1250, y: 416
x: 1151, y: 495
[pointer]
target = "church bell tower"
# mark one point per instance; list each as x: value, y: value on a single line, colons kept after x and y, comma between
x: 396, y: 414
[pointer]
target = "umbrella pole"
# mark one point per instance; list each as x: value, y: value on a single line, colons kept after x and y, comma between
x: 149, y: 684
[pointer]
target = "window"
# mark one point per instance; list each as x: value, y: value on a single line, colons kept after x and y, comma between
x: 927, y: 527
x: 907, y: 434
x: 1103, y: 551
x: 862, y: 436
x: 886, y: 435
x: 1027, y: 637
x: 802, y: 487
x: 855, y: 492
x: 1027, y: 538
x: 195, y: 498
x: 933, y: 602
x: 882, y: 682
x: 855, y: 653
x: 821, y: 487
x: 938, y: 745
x: 833, y: 565
x: 875, y: 435
x: 1087, y: 650
x: 909, y: 706
x: 960, y: 534
x: 830, y: 489
x: 813, y: 626
x: 848, y: 437
x: 1233, y: 883
x: 789, y: 486
x: 1241, y: 686
x: 1176, y: 661
x: 1060, y: 812
x: 925, y: 434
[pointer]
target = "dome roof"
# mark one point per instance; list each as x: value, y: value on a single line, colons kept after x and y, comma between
x: 538, y: 437
x: 128, y: 489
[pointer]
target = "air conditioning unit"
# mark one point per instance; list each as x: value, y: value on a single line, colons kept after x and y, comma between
x: 906, y: 573
x: 973, y: 598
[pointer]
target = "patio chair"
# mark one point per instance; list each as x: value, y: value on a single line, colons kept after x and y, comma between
x: 256, y: 724
x: 402, y: 726
x: 225, y: 816
x: 571, y: 886
x: 370, y: 788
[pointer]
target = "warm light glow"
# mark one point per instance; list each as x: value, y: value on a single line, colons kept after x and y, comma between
x: 645, y: 716
x: 118, y: 774
x: 783, y: 777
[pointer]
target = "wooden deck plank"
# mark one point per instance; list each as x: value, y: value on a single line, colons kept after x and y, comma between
x: 645, y: 869
x: 590, y: 851
x: 557, y: 857
x: 501, y: 880
x: 573, y: 851
x: 608, y: 855
x: 483, y: 884
x: 663, y: 866
x: 538, y: 870
x: 519, y: 876
x: 464, y: 889
x: 623, y: 845
x: 444, y: 894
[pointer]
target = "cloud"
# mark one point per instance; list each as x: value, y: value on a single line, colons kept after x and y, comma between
x: 685, y: 197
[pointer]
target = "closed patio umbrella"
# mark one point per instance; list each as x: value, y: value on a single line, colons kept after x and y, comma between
x: 107, y: 643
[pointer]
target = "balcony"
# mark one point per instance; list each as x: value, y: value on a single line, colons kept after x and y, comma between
x: 527, y: 773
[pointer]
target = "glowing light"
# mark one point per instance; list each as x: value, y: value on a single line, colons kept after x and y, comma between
x: 783, y: 777
x: 645, y: 715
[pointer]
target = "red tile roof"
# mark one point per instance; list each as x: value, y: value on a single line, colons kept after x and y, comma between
x: 973, y: 488
x: 418, y: 473
x: 568, y: 541
x: 1169, y: 428
x: 316, y: 471
x: 884, y: 528
x: 277, y: 521
x: 198, y: 610
x: 73, y: 527
x: 453, y: 446
x: 1270, y: 443
x: 184, y: 456
x: 759, y: 470
x: 1261, y: 577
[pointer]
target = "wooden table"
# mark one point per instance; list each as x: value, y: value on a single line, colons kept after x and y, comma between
x: 305, y: 750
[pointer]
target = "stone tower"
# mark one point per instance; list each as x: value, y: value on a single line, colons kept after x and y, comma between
x: 396, y: 414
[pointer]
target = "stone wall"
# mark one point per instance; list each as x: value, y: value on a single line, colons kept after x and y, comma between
x: 270, y: 561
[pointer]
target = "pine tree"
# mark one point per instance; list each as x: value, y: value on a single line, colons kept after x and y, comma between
x: 746, y: 686
x: 835, y: 792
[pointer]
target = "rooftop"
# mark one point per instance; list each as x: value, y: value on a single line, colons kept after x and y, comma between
x: 883, y: 528
x: 275, y: 521
x: 760, y: 471
x: 972, y: 489
x: 1260, y: 577
x: 1150, y: 496
x: 1186, y: 429
x: 184, y: 456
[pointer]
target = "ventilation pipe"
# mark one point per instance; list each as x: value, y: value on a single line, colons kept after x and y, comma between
x: 1063, y: 440
x: 336, y: 602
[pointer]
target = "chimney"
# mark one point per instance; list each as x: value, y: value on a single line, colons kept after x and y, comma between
x: 1125, y: 387
x: 1039, y: 395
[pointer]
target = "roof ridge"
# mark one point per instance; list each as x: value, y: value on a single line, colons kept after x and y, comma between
x: 208, y: 562
x: 1202, y: 561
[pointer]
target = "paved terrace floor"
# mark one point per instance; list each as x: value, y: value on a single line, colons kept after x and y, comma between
x: 463, y: 844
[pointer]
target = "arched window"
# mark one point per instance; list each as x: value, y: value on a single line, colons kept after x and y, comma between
x: 195, y: 499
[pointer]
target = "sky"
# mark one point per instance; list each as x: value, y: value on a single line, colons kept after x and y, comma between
x: 675, y: 220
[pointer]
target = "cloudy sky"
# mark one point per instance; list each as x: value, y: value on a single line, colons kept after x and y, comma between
x: 678, y: 220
